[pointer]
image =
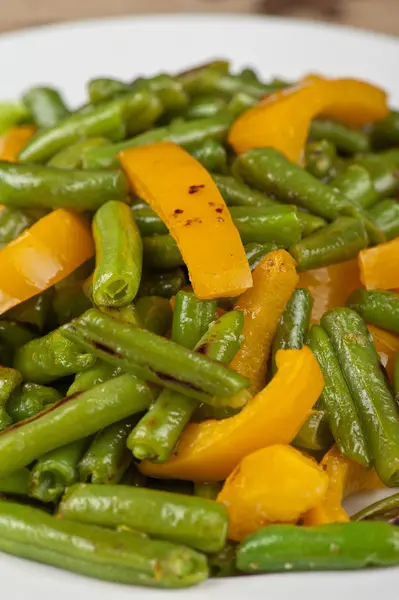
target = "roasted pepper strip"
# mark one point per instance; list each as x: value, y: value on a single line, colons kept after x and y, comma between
x: 188, y: 201
x: 210, y: 450
x: 14, y: 140
x: 43, y: 255
x: 273, y: 485
x: 282, y: 120
x: 379, y: 266
x: 346, y: 477
x: 275, y: 278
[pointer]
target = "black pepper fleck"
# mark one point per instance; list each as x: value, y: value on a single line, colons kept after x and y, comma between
x: 193, y: 189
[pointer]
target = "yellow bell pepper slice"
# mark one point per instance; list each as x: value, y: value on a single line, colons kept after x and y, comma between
x: 184, y: 195
x: 14, y: 140
x: 209, y: 451
x: 273, y: 485
x: 346, y: 477
x: 330, y: 286
x: 379, y: 266
x: 43, y: 255
x: 387, y: 346
x: 282, y: 120
x: 274, y: 279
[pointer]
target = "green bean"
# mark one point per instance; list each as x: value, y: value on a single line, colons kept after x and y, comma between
x: 35, y: 186
x: 337, y: 401
x: 70, y: 419
x: 119, y: 255
x: 34, y: 311
x: 156, y: 434
x: 239, y: 103
x: 100, y: 373
x: 155, y: 314
x: 12, y: 113
x: 154, y: 358
x: 14, y: 335
x: 165, y: 284
x: 52, y: 356
x: 236, y: 193
x: 133, y: 477
x: 55, y: 471
x: 341, y: 240
x: 223, y: 563
x: 107, y: 459
x: 345, y: 139
x: 185, y: 134
x: 382, y: 510
x: 255, y: 252
x: 310, y: 223
x: 161, y: 253
x: 385, y: 215
x: 360, y: 365
x: 148, y: 222
x: 202, y: 524
x: 13, y: 221
x: 103, y: 89
x: 385, y: 133
x: 69, y: 302
x: 356, y: 183
x: 278, y: 224
x: 17, y: 483
x: 383, y: 169
x: 269, y: 171
x: 30, y: 400
x: 97, y: 552
x: 324, y: 547
x: 315, y: 434
x: 110, y: 120
x: 223, y: 338
x: 10, y: 379
x: 211, y: 154
x: 46, y: 106
x: 204, y: 107
x: 320, y: 158
x: 126, y: 314
x: 378, y: 307
x: 72, y: 156
x: 293, y: 325
x: 191, y: 318
x: 168, y: 89
x: 208, y: 489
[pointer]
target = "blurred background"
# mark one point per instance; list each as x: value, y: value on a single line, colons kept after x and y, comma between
x: 377, y: 15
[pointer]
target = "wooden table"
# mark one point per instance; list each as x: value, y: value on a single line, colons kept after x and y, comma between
x: 379, y: 15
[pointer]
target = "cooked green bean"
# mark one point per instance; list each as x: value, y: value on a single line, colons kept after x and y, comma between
x: 208, y: 490
x: 71, y: 419
x: 161, y: 253
x: 119, y: 255
x: 360, y: 365
x: 30, y: 400
x: 46, y: 106
x: 293, y: 324
x: 378, y: 307
x: 69, y: 301
x: 345, y: 139
x: 255, y: 252
x: 385, y: 215
x: 165, y: 284
x: 204, y: 107
x: 336, y: 400
x: 36, y: 186
x: 236, y: 193
x: 107, y: 459
x: 211, y: 154
x: 47, y: 358
x: 13, y: 221
x: 341, y: 240
x: 383, y: 169
x: 382, y: 510
x: 55, y: 471
x: 356, y: 183
x: 10, y: 379
x: 324, y: 547
x: 33, y: 312
x: 72, y: 156
x: 148, y: 222
x: 279, y: 224
x: 155, y: 314
x: 203, y: 524
x: 17, y: 483
x: 96, y: 551
x: 185, y: 134
x: 100, y: 373
x: 315, y: 434
x: 385, y: 133
x: 320, y: 158
x: 239, y: 103
x: 110, y: 119
x: 11, y: 114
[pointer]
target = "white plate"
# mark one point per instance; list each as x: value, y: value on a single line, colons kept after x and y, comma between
x: 67, y: 56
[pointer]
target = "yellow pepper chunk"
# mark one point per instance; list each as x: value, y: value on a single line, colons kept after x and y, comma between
x: 346, y: 477
x: 184, y: 195
x: 209, y: 451
x: 282, y: 120
x: 273, y: 485
x: 275, y: 278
